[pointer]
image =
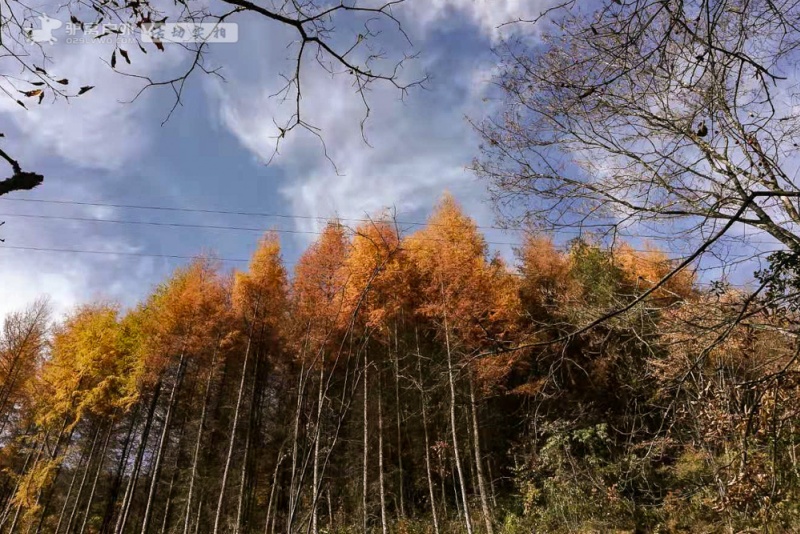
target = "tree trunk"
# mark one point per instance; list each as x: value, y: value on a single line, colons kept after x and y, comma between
x: 162, y: 445
x: 228, y: 459
x: 204, y: 411
x: 16, y: 518
x: 424, y: 402
x: 240, y: 506
x: 176, y: 465
x: 456, y: 454
x: 121, y: 464
x: 455, y: 496
x: 330, y: 511
x: 476, y: 441
x: 199, y: 511
x: 442, y: 474
x: 314, y: 511
x: 384, y: 526
x: 272, y: 488
x: 295, y: 440
x: 366, y: 441
x: 399, y: 418
x: 52, y: 485
x: 83, y: 481
x: 491, y: 484
x: 97, y: 475
x: 169, y: 499
x: 137, y: 464
x: 69, y: 493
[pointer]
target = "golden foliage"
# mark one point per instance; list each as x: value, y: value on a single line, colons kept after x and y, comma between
x: 260, y: 294
x: 89, y: 369
x: 379, y: 285
x: 646, y: 268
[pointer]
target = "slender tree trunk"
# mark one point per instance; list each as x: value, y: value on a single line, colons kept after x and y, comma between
x: 196, y: 457
x: 69, y: 494
x: 83, y: 481
x: 162, y: 445
x: 169, y: 499
x: 272, y: 488
x: 199, y: 511
x: 330, y: 511
x: 137, y: 464
x: 240, y: 506
x: 443, y: 474
x: 314, y: 512
x: 175, y: 466
x: 295, y: 441
x: 97, y: 476
x: 456, y: 454
x: 121, y: 464
x: 52, y: 485
x: 232, y: 442
x: 455, y: 495
x: 476, y: 441
x: 14, y: 521
x: 491, y: 483
x: 469, y: 449
x: 399, y: 418
x: 424, y: 402
x: 384, y: 526
x: 366, y: 442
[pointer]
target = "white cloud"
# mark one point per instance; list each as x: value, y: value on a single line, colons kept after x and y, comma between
x: 491, y: 16
x: 418, y: 148
x: 99, y: 129
x: 69, y: 278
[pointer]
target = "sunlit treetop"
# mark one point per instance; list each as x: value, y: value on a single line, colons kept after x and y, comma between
x: 378, y: 288
x: 318, y: 287
x: 186, y: 315
x: 89, y: 369
x: 261, y: 293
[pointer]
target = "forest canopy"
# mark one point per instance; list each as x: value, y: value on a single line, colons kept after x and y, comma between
x: 407, y: 383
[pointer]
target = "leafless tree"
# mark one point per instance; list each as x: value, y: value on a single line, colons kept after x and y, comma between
x: 673, y: 118
x: 363, y: 40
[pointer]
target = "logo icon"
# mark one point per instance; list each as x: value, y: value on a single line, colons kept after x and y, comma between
x: 45, y: 33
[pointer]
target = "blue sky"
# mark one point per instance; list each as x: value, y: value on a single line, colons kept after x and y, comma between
x: 212, y: 152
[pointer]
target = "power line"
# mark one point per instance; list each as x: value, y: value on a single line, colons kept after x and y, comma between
x: 231, y: 228
x: 578, y: 231
x: 215, y: 227
x: 223, y: 212
x: 156, y: 223
x: 192, y: 225
x: 117, y: 253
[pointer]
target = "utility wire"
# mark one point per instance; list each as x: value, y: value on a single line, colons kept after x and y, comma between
x: 191, y: 225
x: 156, y: 223
x: 578, y: 231
x: 223, y: 212
x: 116, y: 253
x: 215, y: 227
